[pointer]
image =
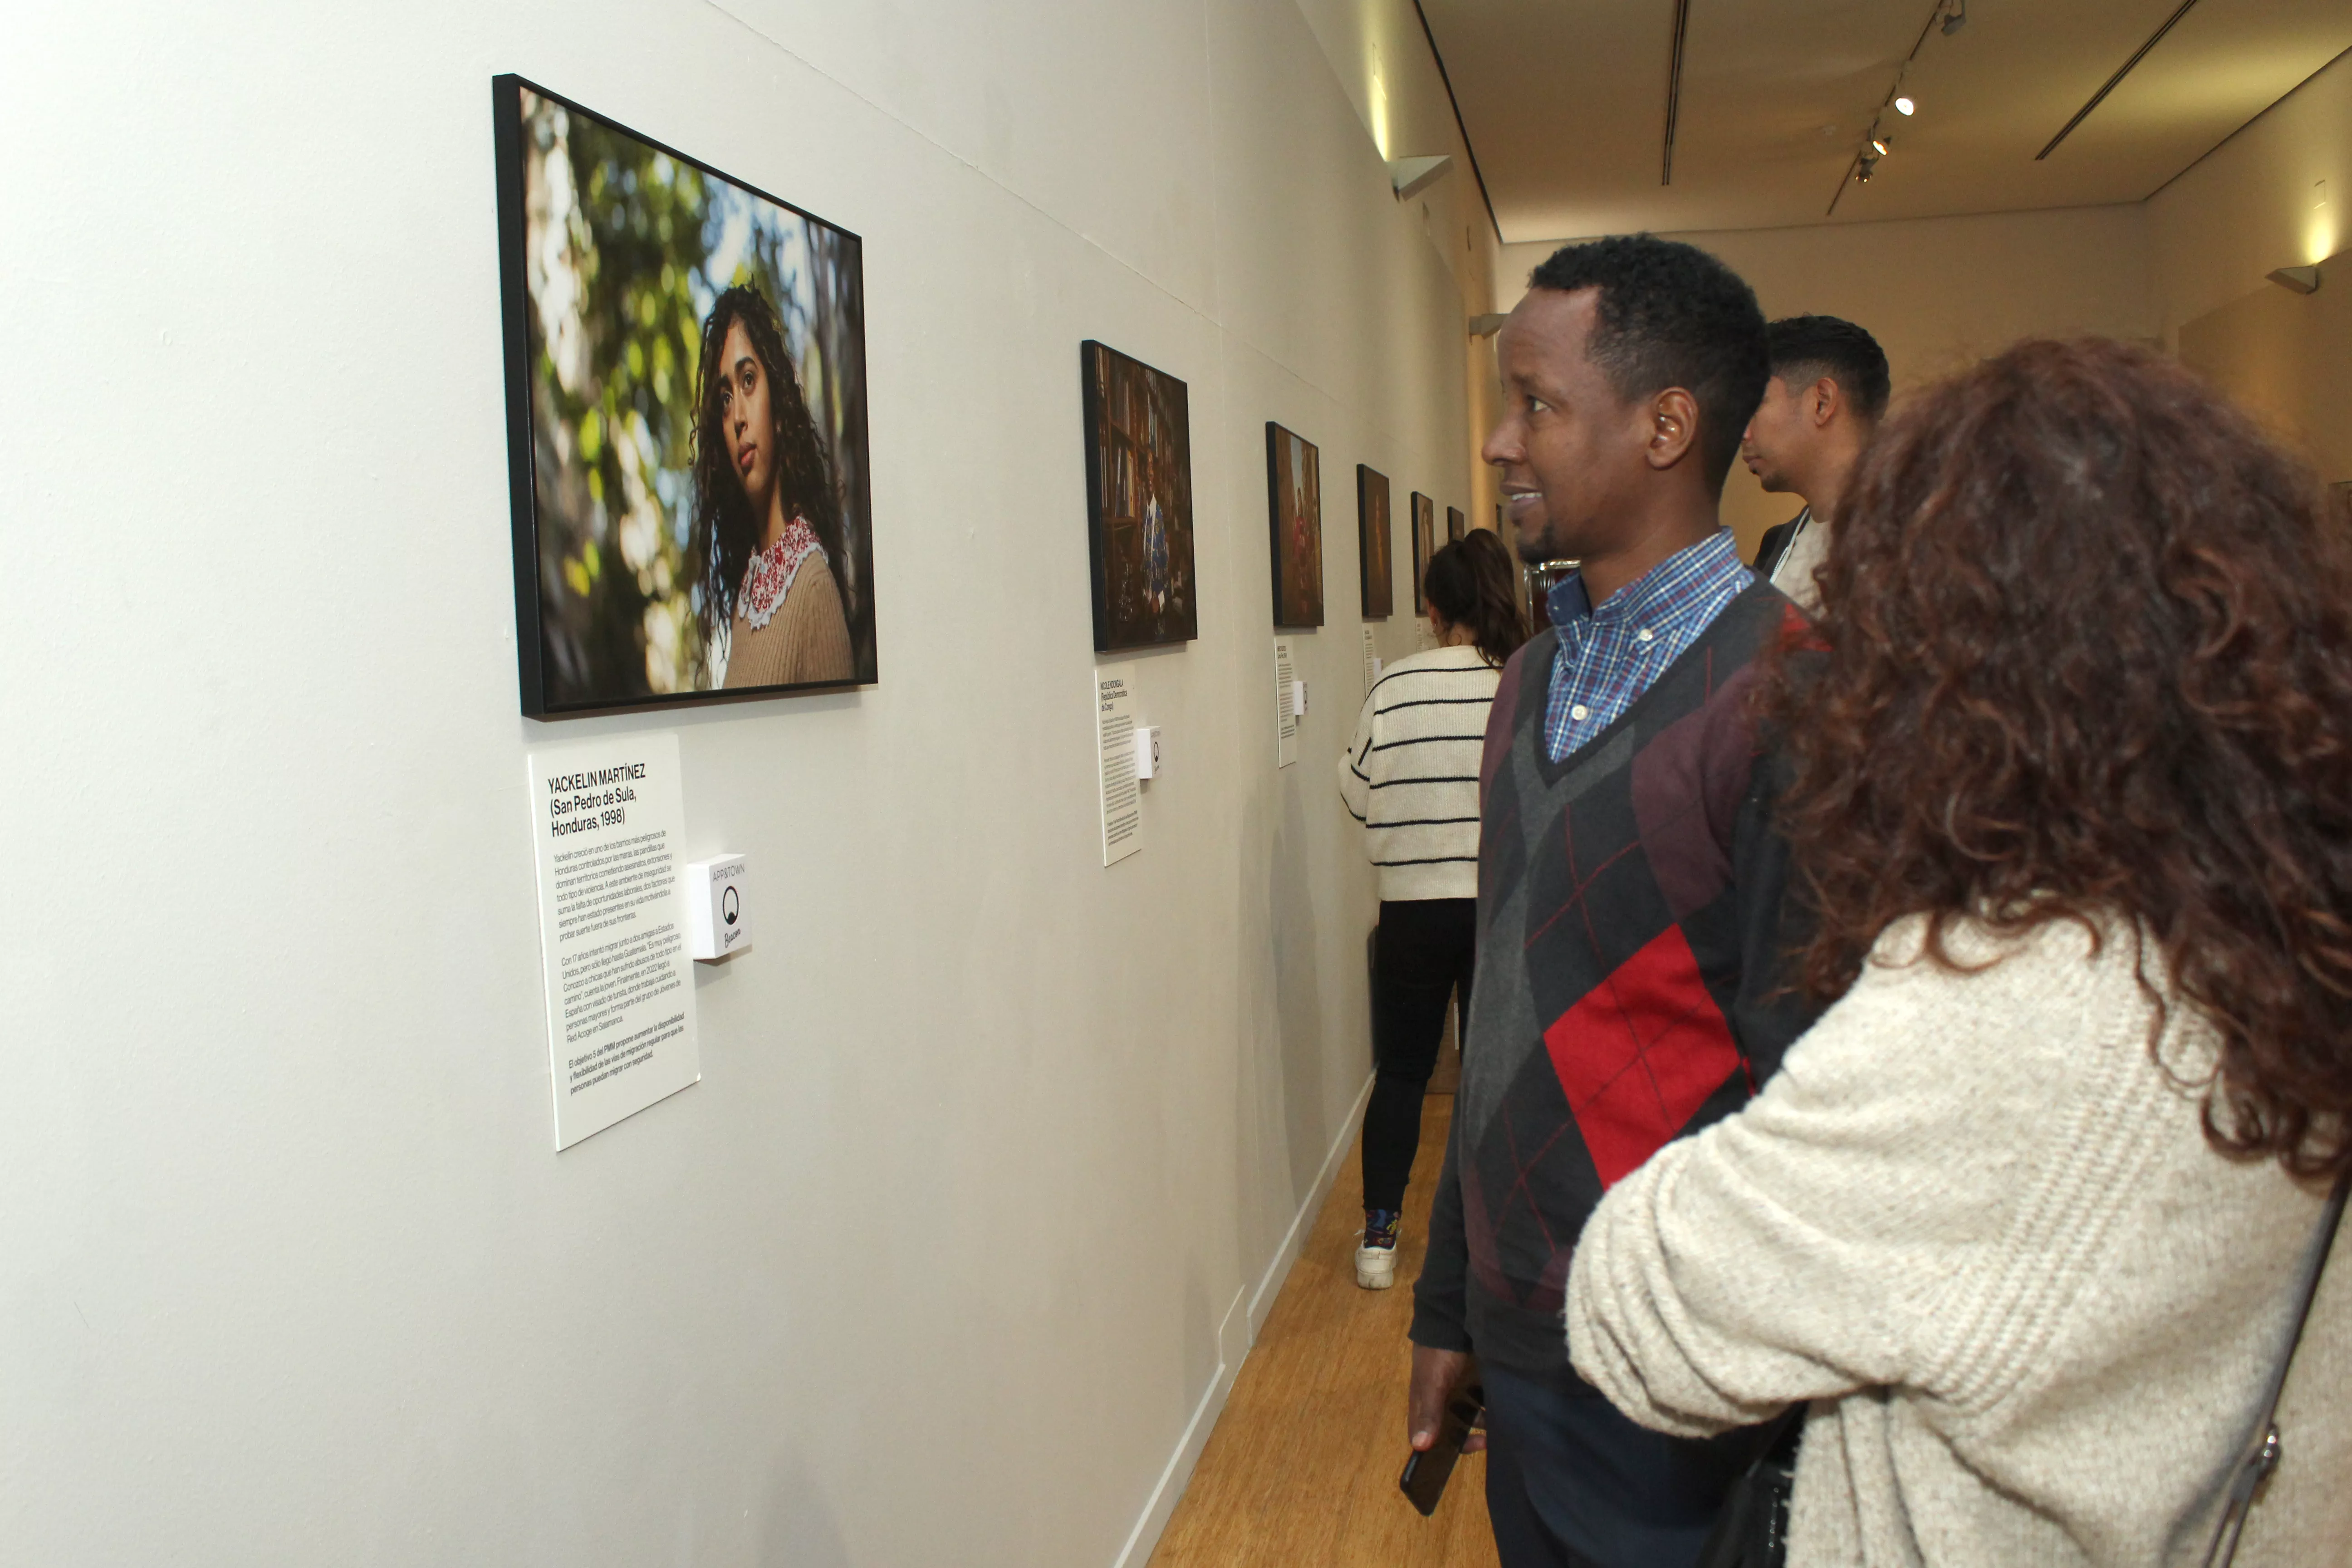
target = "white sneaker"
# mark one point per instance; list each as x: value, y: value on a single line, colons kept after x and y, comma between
x: 1376, y: 1259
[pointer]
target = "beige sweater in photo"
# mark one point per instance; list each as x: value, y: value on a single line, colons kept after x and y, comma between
x: 806, y: 640
x: 1974, y: 1223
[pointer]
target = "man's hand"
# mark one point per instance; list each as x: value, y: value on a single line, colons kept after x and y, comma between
x: 1437, y: 1377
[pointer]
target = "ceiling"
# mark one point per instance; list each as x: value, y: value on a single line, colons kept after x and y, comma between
x: 1565, y: 103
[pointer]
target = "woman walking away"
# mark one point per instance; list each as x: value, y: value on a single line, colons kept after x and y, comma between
x: 1411, y: 777
x: 2025, y: 1223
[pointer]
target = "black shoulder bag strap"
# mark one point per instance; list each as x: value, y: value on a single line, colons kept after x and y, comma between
x: 2256, y: 1466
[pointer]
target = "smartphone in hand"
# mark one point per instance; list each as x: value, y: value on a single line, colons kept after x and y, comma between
x: 1426, y: 1473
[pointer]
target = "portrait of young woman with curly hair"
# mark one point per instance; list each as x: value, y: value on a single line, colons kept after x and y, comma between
x: 2025, y: 1222
x: 767, y: 520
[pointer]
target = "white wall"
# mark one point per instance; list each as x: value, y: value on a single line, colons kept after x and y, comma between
x: 956, y: 1241
x: 1379, y: 52
x: 1938, y: 293
x: 2278, y: 194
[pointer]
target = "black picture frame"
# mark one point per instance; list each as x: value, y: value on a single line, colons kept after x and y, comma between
x: 1139, y: 441
x: 1425, y: 545
x: 573, y: 661
x: 1374, y: 560
x: 1456, y: 525
x: 1294, y: 488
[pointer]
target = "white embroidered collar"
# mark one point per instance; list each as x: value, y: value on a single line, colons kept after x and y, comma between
x: 769, y: 576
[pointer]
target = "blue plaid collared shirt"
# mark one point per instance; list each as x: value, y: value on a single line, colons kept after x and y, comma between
x: 1609, y: 656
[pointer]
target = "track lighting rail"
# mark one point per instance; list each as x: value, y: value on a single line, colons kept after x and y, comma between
x: 2122, y: 72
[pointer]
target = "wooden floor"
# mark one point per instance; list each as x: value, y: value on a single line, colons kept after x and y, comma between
x: 1301, y: 1471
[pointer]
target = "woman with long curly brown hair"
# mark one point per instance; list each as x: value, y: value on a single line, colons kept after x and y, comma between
x: 2028, y: 1215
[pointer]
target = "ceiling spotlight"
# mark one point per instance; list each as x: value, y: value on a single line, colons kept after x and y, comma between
x: 1956, y: 17
x: 1904, y: 106
x: 1864, y: 168
x: 1878, y: 145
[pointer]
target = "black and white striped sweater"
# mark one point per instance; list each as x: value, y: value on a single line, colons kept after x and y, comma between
x: 1411, y: 774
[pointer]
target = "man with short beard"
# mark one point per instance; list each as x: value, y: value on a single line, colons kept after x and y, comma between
x: 1630, y: 931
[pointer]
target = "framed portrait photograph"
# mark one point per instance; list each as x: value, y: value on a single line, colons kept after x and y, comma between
x: 1138, y: 501
x: 1456, y: 525
x: 1295, y: 494
x: 1372, y: 543
x: 1425, y: 545
x: 686, y: 422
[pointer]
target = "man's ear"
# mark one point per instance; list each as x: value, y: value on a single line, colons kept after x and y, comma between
x: 1673, y: 427
x: 1823, y: 400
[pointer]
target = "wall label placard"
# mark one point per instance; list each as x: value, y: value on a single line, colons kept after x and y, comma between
x: 1286, y: 710
x: 609, y: 823
x: 1121, y: 796
x: 1372, y: 661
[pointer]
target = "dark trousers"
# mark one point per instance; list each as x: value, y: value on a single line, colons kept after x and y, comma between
x: 1570, y: 1483
x: 1422, y: 957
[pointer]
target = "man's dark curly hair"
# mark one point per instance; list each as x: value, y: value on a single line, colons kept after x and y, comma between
x: 725, y: 534
x: 1808, y: 347
x: 1671, y: 315
x: 2089, y: 653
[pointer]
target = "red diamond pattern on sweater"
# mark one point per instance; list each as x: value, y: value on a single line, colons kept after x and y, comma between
x: 1640, y: 1053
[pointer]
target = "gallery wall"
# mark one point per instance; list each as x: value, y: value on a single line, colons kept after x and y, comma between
x: 997, y: 1155
x: 1380, y: 53
x: 2278, y: 194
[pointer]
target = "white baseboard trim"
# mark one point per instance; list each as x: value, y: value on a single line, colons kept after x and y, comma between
x: 1145, y: 1536
x: 1277, y: 1270
x: 1234, y: 1336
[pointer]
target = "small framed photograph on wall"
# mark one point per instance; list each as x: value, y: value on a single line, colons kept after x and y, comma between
x: 1425, y: 545
x: 1373, y: 544
x: 1456, y: 525
x: 1138, y: 501
x: 687, y: 474
x: 1295, y: 496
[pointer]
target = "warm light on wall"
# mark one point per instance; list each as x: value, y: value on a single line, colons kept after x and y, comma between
x: 2320, y: 234
x: 1380, y: 105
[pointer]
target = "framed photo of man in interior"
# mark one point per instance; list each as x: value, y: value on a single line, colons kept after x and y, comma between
x: 1425, y: 545
x: 1138, y: 501
x: 1373, y: 544
x: 686, y: 422
x: 1456, y: 525
x: 1295, y: 495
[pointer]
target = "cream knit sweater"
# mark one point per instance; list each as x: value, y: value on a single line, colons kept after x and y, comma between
x: 1975, y: 1223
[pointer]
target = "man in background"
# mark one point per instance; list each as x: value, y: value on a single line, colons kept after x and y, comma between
x: 1631, y: 882
x: 1829, y: 387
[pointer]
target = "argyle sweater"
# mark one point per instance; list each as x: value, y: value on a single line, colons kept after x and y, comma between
x: 1631, y: 987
